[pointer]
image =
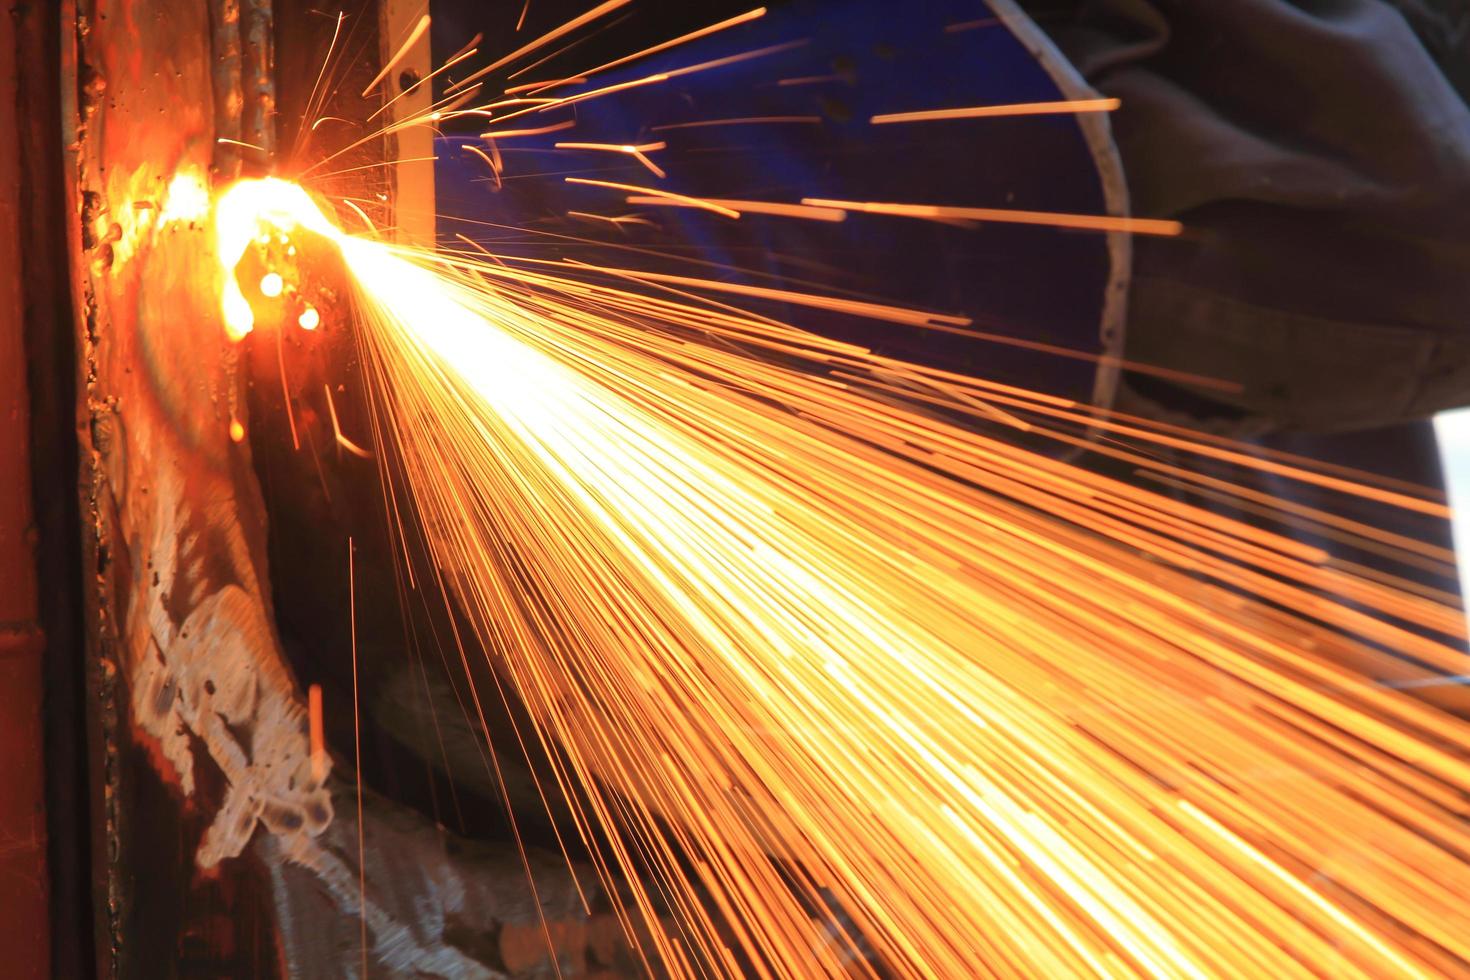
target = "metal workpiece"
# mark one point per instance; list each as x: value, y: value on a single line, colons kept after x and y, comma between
x: 253, y: 847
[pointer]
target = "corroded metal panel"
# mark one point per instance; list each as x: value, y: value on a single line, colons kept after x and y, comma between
x: 22, y: 814
x: 221, y: 850
x: 203, y: 730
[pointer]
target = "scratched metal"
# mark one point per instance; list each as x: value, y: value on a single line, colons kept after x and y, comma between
x: 218, y: 848
x: 206, y: 739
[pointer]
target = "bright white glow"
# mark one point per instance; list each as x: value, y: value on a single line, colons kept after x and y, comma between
x: 187, y: 198
x: 241, y: 214
x: 1452, y: 430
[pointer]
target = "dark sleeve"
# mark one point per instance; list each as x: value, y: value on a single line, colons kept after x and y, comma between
x: 1320, y: 160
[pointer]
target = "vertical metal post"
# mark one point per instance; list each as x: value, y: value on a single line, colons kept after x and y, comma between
x: 413, y: 173
x: 24, y: 932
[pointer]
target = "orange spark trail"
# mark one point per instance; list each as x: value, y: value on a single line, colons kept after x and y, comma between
x: 875, y: 311
x: 544, y: 39
x: 506, y: 133
x: 342, y: 440
x: 1087, y: 222
x: 808, y: 80
x: 538, y: 86
x: 995, y: 111
x: 735, y: 59
x: 753, y: 207
x: 468, y: 52
x: 610, y: 219
x: 318, y: 740
x: 744, y: 18
x: 1203, y: 381
x: 743, y: 121
x: 970, y: 25
x: 693, y: 202
x: 605, y: 90
x: 489, y: 161
x: 637, y: 152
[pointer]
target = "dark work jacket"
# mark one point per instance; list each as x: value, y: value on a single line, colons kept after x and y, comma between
x: 1319, y: 158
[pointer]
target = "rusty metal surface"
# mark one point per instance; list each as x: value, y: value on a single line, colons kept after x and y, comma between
x: 220, y: 851
x: 49, y: 363
x: 188, y: 681
x: 23, y: 892
x: 23, y: 883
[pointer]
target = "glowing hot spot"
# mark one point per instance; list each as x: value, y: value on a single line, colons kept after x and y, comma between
x: 186, y: 199
x: 243, y: 214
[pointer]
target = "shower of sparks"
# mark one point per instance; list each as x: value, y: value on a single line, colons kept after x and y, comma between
x: 834, y: 676
x: 838, y: 679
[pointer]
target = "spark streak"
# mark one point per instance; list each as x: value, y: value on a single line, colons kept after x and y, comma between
x: 751, y: 207
x: 506, y: 133
x: 547, y: 38
x: 998, y: 111
x: 744, y: 121
x: 693, y: 202
x: 1085, y: 222
x: 744, y: 18
x: 418, y: 32
x: 636, y: 151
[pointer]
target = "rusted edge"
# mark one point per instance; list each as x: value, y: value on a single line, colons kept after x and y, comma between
x: 243, y: 94
x: 100, y: 672
x: 23, y: 875
x: 50, y: 360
